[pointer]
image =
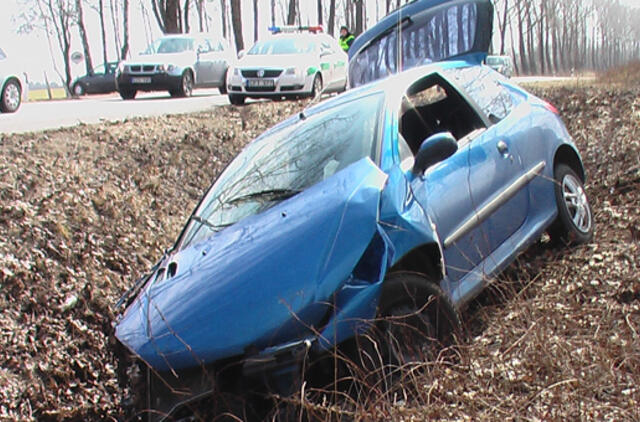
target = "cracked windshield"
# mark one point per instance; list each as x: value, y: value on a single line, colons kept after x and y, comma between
x: 286, y: 162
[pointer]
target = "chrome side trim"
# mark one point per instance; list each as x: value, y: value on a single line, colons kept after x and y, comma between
x: 482, y: 214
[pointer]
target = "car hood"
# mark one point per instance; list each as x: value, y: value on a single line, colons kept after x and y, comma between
x: 275, y: 60
x: 184, y: 58
x: 266, y: 280
x: 469, y: 23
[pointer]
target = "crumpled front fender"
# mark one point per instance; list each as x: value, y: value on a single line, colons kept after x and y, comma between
x: 266, y: 280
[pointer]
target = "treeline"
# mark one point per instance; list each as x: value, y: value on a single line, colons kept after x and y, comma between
x: 561, y: 36
x: 543, y: 36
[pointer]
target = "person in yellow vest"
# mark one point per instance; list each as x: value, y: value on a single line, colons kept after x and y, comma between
x: 346, y: 38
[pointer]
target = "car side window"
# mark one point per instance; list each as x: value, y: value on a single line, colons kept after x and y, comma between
x: 431, y: 105
x: 98, y: 70
x: 481, y: 84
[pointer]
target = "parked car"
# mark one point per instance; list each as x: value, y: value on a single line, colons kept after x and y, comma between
x: 422, y: 185
x: 101, y: 80
x: 294, y: 62
x: 11, y: 85
x: 502, y: 64
x: 178, y: 64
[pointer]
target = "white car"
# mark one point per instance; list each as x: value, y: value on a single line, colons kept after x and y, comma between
x: 178, y: 64
x: 289, y: 65
x: 11, y: 85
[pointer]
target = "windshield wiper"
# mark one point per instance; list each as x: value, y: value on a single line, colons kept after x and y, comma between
x: 271, y: 194
x: 207, y: 223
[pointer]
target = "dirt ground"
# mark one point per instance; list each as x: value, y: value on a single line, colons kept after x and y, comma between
x: 85, y: 211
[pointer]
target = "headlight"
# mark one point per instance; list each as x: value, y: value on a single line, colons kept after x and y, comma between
x: 292, y: 71
x: 236, y: 71
x: 167, y: 68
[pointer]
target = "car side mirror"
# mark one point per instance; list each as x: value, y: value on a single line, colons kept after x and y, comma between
x: 434, y: 149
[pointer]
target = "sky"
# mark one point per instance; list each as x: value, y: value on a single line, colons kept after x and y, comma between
x: 31, y: 51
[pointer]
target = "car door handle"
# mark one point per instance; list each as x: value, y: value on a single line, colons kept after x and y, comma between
x: 503, y: 148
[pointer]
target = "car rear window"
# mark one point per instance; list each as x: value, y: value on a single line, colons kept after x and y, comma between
x: 445, y: 33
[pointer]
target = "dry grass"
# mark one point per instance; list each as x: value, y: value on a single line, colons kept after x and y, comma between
x: 43, y: 95
x: 86, y: 210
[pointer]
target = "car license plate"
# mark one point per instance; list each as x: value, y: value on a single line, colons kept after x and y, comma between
x: 261, y: 83
x: 146, y: 80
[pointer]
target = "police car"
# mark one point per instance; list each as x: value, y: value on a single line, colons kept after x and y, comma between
x: 293, y: 62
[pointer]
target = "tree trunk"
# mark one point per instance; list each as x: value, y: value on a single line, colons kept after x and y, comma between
x: 124, y: 52
x: 291, y: 16
x: 103, y: 31
x: 185, y: 16
x: 236, y: 19
x: 273, y: 12
x: 223, y: 15
x: 116, y: 26
x: 332, y: 17
x: 359, y: 5
x: 319, y: 7
x: 83, y: 36
x: 158, y: 12
x: 171, y: 22
x: 255, y: 20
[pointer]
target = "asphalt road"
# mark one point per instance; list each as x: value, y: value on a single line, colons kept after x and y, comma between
x: 36, y: 116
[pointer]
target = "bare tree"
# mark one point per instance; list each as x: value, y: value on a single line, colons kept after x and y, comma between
x: 125, y: 29
x: 291, y: 16
x: 319, y: 11
x: 167, y: 15
x: 255, y: 20
x: 332, y: 17
x: 79, y: 13
x: 236, y: 19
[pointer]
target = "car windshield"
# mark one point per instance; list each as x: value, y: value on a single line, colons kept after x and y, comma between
x: 170, y: 45
x: 283, y: 46
x: 283, y: 163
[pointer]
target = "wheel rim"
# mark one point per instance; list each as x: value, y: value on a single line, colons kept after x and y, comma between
x: 12, y: 96
x: 186, y: 84
x: 317, y: 86
x: 576, y: 202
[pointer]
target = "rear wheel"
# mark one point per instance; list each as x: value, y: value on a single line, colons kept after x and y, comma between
x: 223, y: 87
x: 128, y: 94
x: 11, y: 97
x: 78, y: 89
x: 316, y: 88
x: 186, y: 87
x: 574, y: 223
x: 236, y: 99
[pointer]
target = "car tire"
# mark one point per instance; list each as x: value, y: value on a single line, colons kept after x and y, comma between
x: 574, y: 223
x: 186, y: 84
x: 126, y: 94
x: 223, y: 87
x: 11, y: 97
x: 415, y: 320
x: 236, y: 99
x: 78, y: 90
x: 316, y: 88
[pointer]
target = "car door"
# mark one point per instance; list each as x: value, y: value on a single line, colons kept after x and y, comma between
x: 93, y: 82
x: 339, y: 61
x: 326, y: 64
x: 498, y: 179
x: 220, y: 58
x: 433, y: 106
x: 205, y: 72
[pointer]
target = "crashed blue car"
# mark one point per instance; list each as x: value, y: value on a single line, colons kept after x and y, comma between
x: 424, y: 180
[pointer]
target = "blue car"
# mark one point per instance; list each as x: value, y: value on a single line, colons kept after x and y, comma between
x: 402, y: 197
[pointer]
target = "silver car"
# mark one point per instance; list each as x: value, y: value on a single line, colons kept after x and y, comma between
x: 11, y: 83
x: 176, y: 63
x: 502, y: 64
